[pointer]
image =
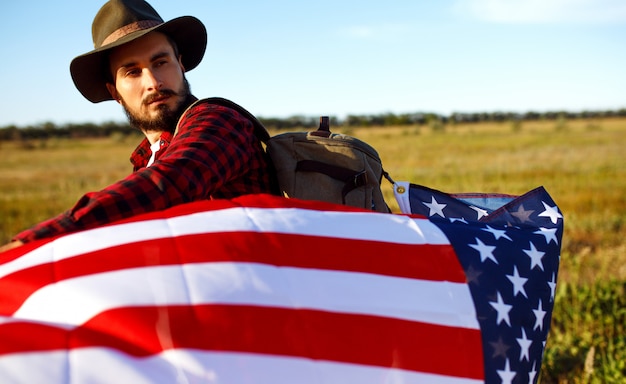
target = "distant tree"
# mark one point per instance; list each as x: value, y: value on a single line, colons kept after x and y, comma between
x: 10, y: 133
x: 532, y: 115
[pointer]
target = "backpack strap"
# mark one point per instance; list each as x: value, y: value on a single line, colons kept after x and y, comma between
x: 259, y: 129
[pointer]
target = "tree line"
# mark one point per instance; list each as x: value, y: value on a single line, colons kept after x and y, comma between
x: 50, y: 130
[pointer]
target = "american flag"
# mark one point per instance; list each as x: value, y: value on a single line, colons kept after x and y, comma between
x: 262, y: 289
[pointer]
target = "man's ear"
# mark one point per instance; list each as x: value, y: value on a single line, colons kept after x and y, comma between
x: 180, y: 62
x: 113, y: 92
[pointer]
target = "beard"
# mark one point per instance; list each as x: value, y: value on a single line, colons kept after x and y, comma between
x: 166, y: 117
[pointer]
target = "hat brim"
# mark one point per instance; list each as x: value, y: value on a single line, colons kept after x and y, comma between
x: 89, y: 70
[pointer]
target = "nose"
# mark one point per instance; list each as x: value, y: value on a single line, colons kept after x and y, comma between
x: 151, y: 80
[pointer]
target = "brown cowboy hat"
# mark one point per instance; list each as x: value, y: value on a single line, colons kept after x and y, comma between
x: 121, y: 21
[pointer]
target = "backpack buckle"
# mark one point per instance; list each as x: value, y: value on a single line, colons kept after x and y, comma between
x: 360, y: 179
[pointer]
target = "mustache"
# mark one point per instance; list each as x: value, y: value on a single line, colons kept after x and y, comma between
x: 159, y: 94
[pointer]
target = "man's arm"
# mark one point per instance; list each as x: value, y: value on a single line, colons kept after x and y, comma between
x: 214, y: 146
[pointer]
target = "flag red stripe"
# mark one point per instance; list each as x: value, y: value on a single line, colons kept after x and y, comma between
x: 358, y: 339
x: 400, y: 260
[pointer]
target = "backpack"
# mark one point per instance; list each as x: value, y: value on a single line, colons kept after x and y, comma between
x: 321, y: 165
x: 325, y: 166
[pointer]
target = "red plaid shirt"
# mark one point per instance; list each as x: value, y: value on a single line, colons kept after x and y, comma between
x: 215, y: 154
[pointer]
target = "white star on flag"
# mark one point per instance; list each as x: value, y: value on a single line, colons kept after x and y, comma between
x: 518, y: 282
x: 533, y: 373
x: 497, y: 233
x: 539, y: 315
x: 435, y: 207
x: 524, y: 345
x: 486, y: 251
x: 551, y: 212
x: 506, y: 375
x: 552, y: 284
x: 549, y: 234
x: 479, y: 211
x: 535, y: 256
x: 503, y: 310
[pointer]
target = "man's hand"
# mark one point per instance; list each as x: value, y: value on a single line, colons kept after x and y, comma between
x: 11, y: 245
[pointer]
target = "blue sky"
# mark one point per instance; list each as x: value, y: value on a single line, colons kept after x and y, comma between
x: 285, y: 58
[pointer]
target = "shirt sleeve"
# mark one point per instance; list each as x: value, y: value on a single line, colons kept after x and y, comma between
x: 214, y: 144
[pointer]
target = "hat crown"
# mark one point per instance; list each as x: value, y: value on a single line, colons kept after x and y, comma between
x: 115, y: 15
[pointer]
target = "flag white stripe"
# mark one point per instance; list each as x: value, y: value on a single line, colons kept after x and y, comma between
x: 368, y: 226
x: 94, y: 365
x: 73, y: 301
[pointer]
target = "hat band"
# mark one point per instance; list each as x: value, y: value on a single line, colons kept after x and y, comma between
x: 130, y: 28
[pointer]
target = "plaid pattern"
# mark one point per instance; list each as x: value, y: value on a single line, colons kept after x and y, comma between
x: 214, y: 155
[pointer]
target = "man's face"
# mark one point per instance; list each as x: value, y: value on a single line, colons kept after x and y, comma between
x: 149, y: 82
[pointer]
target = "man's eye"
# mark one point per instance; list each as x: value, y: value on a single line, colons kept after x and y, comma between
x: 132, y: 72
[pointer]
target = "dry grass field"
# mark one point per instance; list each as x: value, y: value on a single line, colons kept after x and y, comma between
x: 581, y: 163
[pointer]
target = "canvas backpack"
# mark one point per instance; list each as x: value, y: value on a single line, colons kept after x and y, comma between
x: 321, y: 165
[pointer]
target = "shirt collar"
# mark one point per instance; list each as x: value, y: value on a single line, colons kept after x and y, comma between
x: 140, y: 156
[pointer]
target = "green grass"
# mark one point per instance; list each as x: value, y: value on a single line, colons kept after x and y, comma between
x: 580, y: 163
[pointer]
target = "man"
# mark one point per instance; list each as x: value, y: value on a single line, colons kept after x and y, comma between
x: 193, y: 150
